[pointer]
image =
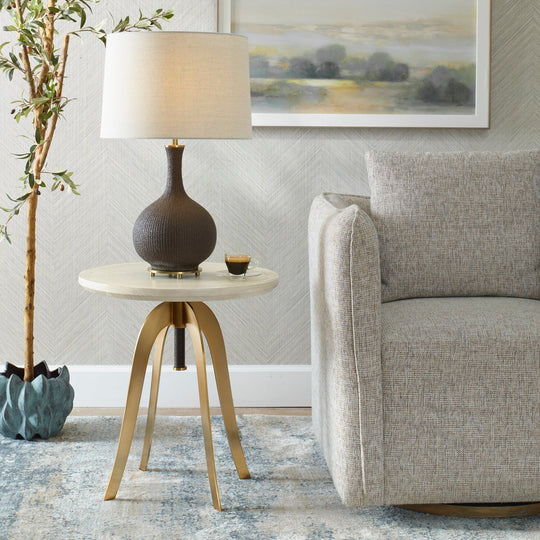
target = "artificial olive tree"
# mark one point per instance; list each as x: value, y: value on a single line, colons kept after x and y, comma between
x: 38, y: 52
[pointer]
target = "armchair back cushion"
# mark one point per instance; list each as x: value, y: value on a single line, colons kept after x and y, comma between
x: 457, y: 224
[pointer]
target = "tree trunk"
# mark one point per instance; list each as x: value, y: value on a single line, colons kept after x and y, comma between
x: 45, y: 135
x: 29, y: 279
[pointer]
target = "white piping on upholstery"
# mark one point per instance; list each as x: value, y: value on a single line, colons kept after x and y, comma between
x: 364, y: 489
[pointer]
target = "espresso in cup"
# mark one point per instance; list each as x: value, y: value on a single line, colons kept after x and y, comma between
x: 237, y: 263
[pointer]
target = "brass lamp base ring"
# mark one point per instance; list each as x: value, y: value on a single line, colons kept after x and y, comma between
x: 177, y: 275
x: 499, y: 510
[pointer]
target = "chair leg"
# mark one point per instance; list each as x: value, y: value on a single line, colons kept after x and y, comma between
x: 159, y: 318
x: 192, y: 325
x: 212, y: 331
x: 154, y: 389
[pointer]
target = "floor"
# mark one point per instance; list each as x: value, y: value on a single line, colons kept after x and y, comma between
x: 118, y: 411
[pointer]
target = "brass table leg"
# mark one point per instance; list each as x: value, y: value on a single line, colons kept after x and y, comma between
x: 159, y: 318
x: 212, y: 331
x: 198, y: 318
x: 193, y: 327
x: 152, y: 406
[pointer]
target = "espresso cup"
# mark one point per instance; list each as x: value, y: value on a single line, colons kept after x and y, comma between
x: 237, y: 263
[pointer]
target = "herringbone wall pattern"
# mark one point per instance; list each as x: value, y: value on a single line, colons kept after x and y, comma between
x: 258, y: 191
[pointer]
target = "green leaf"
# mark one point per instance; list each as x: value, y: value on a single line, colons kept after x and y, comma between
x: 6, y: 235
x: 66, y: 177
x: 143, y: 24
x: 100, y: 26
x: 28, y: 35
x: 14, y: 59
x: 83, y: 17
x: 38, y: 135
x: 19, y: 199
x: 22, y: 156
x: 41, y: 100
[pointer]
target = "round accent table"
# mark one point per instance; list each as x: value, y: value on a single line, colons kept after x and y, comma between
x: 182, y: 307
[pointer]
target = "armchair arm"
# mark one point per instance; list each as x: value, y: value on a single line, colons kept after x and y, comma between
x: 346, y: 345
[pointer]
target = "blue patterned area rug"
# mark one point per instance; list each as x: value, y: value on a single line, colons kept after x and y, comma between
x: 53, y: 489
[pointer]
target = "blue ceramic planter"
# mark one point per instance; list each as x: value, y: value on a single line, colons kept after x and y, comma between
x: 34, y: 409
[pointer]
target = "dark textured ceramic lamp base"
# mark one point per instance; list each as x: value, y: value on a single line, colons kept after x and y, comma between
x: 174, y: 234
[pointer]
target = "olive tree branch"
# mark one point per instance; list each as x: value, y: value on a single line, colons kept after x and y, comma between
x: 25, y: 57
x: 47, y: 38
x: 54, y: 119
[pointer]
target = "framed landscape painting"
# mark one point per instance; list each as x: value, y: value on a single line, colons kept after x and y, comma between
x: 360, y: 63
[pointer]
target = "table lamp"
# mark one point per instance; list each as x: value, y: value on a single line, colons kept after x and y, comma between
x: 176, y: 85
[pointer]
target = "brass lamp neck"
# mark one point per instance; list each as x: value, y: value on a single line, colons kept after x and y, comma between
x: 175, y: 144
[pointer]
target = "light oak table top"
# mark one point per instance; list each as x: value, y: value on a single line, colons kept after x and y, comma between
x: 133, y: 281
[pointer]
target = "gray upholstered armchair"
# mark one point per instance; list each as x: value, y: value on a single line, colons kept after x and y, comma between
x: 425, y: 306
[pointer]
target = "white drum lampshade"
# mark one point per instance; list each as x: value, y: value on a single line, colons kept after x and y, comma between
x: 176, y: 85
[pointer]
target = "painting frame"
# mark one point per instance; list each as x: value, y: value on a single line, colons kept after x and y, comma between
x: 479, y: 119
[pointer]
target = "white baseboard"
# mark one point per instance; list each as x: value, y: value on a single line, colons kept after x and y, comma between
x: 252, y: 386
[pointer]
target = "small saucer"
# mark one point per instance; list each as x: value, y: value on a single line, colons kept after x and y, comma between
x: 252, y: 272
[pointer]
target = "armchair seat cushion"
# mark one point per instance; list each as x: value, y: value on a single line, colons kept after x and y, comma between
x: 456, y: 373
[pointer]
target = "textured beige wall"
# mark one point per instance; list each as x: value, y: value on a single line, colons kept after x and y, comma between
x: 258, y: 191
